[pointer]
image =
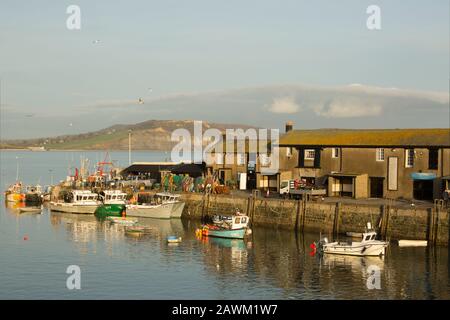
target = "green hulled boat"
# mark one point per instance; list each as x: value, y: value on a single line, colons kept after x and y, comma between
x: 109, y: 210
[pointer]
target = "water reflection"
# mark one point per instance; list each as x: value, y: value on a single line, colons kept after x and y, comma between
x: 275, y: 260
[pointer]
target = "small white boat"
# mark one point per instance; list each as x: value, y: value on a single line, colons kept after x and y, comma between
x: 368, y: 246
x: 412, y: 243
x: 123, y: 220
x: 30, y: 210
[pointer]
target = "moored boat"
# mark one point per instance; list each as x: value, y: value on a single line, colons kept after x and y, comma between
x: 368, y: 246
x: 177, y: 205
x: 114, y: 204
x: 15, y: 193
x: 30, y: 210
x: 233, y: 227
x: 158, y: 211
x: 82, y: 201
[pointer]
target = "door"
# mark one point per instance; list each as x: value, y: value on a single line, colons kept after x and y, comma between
x: 423, y: 189
x: 376, y: 187
x: 393, y: 173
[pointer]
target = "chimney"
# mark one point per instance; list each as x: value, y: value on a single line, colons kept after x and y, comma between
x: 289, y: 126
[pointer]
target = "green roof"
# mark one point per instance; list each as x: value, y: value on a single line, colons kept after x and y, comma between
x: 368, y: 138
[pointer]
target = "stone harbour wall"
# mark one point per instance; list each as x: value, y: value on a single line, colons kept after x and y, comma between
x: 329, y: 218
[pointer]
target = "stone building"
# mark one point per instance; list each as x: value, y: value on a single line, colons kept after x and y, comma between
x: 385, y: 163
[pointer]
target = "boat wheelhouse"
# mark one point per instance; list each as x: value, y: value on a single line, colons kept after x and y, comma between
x: 113, y: 197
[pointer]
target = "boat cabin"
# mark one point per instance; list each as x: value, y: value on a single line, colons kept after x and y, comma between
x: 369, y: 236
x: 80, y: 196
x: 166, y: 197
x: 37, y: 189
x: 113, y: 196
x: 232, y: 222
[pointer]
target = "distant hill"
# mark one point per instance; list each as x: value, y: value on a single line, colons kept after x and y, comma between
x: 147, y: 135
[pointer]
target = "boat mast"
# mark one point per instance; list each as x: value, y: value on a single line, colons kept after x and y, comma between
x: 17, y: 169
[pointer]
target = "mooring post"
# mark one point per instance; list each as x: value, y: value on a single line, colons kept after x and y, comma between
x: 297, y: 216
x: 337, y: 214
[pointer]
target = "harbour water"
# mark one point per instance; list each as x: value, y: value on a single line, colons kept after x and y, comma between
x: 36, y: 250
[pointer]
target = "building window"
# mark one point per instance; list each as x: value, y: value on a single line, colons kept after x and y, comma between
x: 310, y: 154
x: 264, y: 160
x: 409, y: 158
x: 380, y: 154
x: 219, y: 158
x: 433, y: 159
x: 335, y: 153
x: 240, y: 159
x: 289, y: 152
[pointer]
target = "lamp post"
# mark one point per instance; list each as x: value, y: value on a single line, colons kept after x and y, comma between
x: 129, y: 147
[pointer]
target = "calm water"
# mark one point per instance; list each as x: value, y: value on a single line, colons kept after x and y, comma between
x: 272, y: 265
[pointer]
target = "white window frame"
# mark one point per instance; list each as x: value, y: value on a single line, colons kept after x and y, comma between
x: 219, y: 158
x: 335, y: 153
x: 308, y: 153
x: 409, y: 157
x: 380, y: 156
x: 240, y: 159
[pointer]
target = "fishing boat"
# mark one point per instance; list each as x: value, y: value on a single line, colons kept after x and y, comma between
x: 114, y: 204
x: 368, y: 246
x: 146, y: 210
x: 15, y: 193
x: 33, y: 194
x: 82, y: 201
x: 233, y: 227
x: 177, y: 206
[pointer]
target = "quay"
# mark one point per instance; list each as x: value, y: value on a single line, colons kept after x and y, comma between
x: 393, y: 221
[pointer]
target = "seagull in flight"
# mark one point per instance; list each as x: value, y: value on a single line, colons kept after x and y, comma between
x: 95, y: 41
x: 141, y: 101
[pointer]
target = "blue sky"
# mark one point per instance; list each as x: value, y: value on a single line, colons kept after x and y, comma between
x: 202, y: 46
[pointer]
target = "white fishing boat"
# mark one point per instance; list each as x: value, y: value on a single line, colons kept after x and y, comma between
x: 145, y: 210
x: 368, y: 246
x: 412, y: 243
x: 177, y: 206
x: 163, y: 205
x: 82, y: 201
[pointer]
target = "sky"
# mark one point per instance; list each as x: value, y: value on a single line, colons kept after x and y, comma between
x: 258, y: 62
